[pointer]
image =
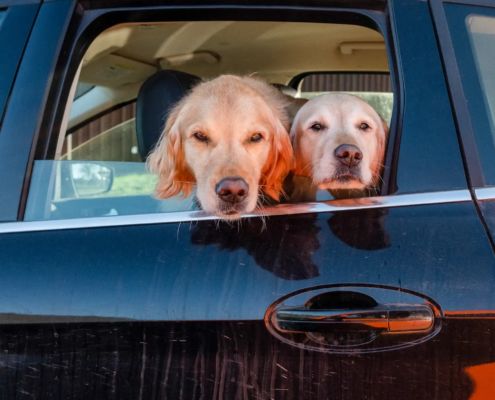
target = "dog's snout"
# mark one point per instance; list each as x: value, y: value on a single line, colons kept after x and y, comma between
x: 348, y: 154
x: 232, y: 190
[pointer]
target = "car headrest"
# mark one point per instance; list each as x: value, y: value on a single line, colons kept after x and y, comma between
x: 158, y: 94
x: 290, y: 91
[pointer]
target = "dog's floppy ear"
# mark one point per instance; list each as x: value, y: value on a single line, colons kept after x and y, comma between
x: 297, y: 167
x: 168, y: 161
x: 382, y: 138
x: 279, y: 162
x: 296, y: 133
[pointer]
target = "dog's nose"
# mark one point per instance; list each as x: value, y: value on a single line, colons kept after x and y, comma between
x: 232, y: 190
x: 348, y: 155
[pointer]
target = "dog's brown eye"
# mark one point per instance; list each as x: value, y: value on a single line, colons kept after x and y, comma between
x: 364, y: 126
x: 256, y: 137
x: 201, y: 136
x: 316, y: 127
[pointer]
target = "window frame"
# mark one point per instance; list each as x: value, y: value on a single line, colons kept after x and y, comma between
x: 86, y: 24
x: 78, y: 24
x: 381, y: 16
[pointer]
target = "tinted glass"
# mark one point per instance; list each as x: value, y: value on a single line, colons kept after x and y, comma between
x: 427, y: 122
x: 82, y: 89
x: 474, y: 45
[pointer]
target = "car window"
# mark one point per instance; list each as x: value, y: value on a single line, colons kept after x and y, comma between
x: 101, y: 133
x: 82, y: 88
x: 475, y: 53
x: 109, y: 137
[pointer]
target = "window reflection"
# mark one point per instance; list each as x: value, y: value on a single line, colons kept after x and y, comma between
x: 286, y: 246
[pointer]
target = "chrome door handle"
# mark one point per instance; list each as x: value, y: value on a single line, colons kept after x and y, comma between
x: 385, y: 318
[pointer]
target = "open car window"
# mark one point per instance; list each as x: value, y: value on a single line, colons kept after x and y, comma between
x: 99, y: 170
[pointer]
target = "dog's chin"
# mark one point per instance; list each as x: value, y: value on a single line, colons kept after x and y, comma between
x: 213, y: 205
x: 231, y: 211
x: 342, y: 181
x: 229, y: 214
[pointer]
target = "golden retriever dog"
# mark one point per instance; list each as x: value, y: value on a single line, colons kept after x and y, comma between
x: 339, y: 143
x: 229, y: 137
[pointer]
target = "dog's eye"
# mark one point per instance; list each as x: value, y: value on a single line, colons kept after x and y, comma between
x: 316, y: 127
x: 256, y: 137
x: 364, y: 126
x: 201, y: 136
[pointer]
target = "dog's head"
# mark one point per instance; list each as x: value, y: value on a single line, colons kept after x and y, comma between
x: 229, y: 136
x: 339, y: 141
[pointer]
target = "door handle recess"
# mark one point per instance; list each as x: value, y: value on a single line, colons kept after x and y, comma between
x: 384, y: 318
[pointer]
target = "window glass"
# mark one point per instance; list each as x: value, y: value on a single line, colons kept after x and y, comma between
x: 110, y: 137
x: 82, y: 88
x: 2, y: 15
x: 101, y: 138
x: 482, y: 34
x: 475, y: 54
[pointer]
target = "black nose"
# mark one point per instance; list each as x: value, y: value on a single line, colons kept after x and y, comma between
x: 348, y: 155
x: 232, y: 190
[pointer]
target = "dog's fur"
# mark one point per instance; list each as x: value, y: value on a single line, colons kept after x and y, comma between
x: 228, y: 110
x: 340, y: 115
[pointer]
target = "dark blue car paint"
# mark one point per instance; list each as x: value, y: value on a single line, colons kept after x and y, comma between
x: 198, y: 271
x: 208, y: 287
x: 21, y: 123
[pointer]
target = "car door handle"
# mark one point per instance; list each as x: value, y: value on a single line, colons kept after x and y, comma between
x: 384, y: 318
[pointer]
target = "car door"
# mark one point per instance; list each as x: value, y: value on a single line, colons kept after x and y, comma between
x: 184, y: 307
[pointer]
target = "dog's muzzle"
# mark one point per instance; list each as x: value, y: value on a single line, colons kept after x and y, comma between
x: 232, y: 193
x: 348, y: 155
x: 232, y: 190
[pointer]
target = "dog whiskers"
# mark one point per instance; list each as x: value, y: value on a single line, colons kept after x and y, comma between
x: 311, y: 170
x: 260, y: 210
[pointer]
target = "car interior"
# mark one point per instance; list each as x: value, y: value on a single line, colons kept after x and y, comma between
x: 132, y: 74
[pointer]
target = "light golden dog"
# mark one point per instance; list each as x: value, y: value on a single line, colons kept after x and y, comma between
x: 229, y: 137
x: 339, y: 143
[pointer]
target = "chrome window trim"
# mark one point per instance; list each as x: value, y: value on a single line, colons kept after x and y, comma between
x: 414, y: 199
x: 486, y: 193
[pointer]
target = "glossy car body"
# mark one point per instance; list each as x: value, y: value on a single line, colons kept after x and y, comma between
x: 162, y: 306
